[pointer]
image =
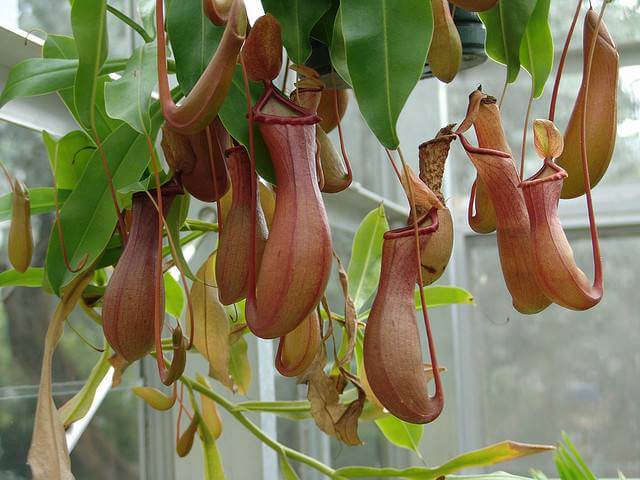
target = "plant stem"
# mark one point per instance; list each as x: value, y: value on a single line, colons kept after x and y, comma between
x: 278, y: 447
x: 192, y: 224
x: 523, y: 152
x: 563, y: 58
x: 130, y: 22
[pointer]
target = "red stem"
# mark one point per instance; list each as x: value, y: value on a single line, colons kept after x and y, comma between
x: 563, y: 58
x: 157, y: 323
x: 343, y: 150
x: 593, y: 228
x: 251, y: 287
x: 432, y: 348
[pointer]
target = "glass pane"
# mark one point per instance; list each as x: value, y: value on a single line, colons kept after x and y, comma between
x: 39, y: 15
x: 560, y: 370
x: 108, y: 446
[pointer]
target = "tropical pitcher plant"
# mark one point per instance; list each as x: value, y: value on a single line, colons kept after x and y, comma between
x: 233, y: 133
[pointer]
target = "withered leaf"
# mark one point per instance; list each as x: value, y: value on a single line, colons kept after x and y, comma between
x: 119, y: 364
x: 209, y: 415
x: 350, y: 321
x: 185, y: 441
x: 331, y: 416
x: 347, y: 426
x: 472, y: 110
x: 423, y: 196
x: 48, y: 455
x: 211, y: 324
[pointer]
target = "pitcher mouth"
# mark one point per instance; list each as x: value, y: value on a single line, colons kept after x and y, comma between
x: 408, y: 231
x: 539, y: 177
x: 306, y: 117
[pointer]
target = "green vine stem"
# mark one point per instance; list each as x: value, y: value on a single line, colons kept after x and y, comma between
x: 236, y: 411
x: 130, y: 22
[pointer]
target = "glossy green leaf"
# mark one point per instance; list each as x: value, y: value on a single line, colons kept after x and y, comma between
x: 33, y: 277
x: 173, y: 296
x: 323, y: 30
x: 366, y: 255
x: 88, y: 217
x: 233, y: 115
x: 194, y: 40
x: 337, y: 50
x: 41, y: 201
x: 239, y: 366
x: 441, y: 296
x: 536, y: 49
x: 129, y: 98
x: 500, y: 452
x: 68, y: 156
x: 61, y: 46
x: 89, y: 25
x: 78, y: 406
x: 297, y: 18
x: 39, y: 76
x: 402, y: 434
x: 387, y: 43
x: 437, y: 296
x: 506, y: 24
x: 288, y: 473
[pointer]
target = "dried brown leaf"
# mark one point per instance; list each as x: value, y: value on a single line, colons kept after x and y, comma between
x: 48, y: 455
x: 119, y: 364
x: 350, y: 320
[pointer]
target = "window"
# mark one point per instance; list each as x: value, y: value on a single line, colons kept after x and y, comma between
x: 524, y: 378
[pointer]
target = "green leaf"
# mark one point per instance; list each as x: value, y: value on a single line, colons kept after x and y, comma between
x: 441, y: 296
x: 129, y: 97
x: 297, y: 18
x: 147, y: 12
x: 233, y: 115
x: 402, y: 434
x: 536, y: 49
x: 488, y: 476
x: 88, y: 217
x: 337, y: 50
x: 288, y: 473
x: 387, y: 43
x: 212, y: 463
x: 537, y: 475
x: 366, y: 254
x: 41, y: 201
x: 323, y: 30
x: 68, y: 156
x: 500, y: 452
x: 39, y: 76
x: 175, y: 220
x: 78, y: 406
x: 573, y: 463
x: 33, y: 277
x: 293, y: 409
x: 239, y: 366
x: 173, y: 296
x: 89, y: 25
x: 60, y: 46
x: 506, y: 24
x: 194, y: 40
